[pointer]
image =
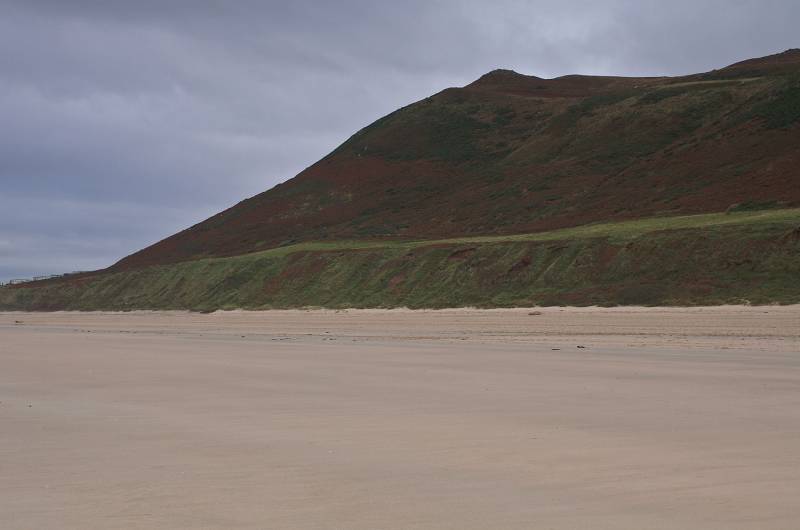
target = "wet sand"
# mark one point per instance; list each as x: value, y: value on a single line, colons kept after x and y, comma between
x: 459, y: 419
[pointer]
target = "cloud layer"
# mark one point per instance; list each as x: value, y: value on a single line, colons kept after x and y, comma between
x: 124, y: 122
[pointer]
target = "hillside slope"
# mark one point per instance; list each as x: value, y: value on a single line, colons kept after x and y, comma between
x: 737, y: 258
x: 511, y: 153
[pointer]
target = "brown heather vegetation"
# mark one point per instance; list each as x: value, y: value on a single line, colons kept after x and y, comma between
x: 512, y: 154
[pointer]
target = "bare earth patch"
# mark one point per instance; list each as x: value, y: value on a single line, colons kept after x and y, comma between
x: 625, y: 418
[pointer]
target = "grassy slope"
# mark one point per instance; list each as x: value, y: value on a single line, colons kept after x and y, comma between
x: 704, y: 259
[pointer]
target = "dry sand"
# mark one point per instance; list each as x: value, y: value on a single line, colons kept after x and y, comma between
x: 463, y: 419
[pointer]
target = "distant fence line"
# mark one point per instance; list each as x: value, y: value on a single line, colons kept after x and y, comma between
x: 17, y: 281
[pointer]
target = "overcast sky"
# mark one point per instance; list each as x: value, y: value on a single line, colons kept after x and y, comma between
x: 122, y: 122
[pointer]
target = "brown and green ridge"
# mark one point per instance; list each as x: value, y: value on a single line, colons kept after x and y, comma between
x: 489, y: 195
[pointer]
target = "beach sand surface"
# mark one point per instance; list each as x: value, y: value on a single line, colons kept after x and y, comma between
x: 547, y: 418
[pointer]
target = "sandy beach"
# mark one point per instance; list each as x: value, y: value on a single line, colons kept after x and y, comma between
x: 551, y: 418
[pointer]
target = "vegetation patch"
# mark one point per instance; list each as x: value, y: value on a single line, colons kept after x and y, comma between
x: 783, y: 109
x: 588, y: 106
x: 657, y: 96
x: 753, y: 206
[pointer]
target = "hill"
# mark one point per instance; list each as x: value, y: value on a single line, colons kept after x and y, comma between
x: 509, y: 157
x: 511, y: 154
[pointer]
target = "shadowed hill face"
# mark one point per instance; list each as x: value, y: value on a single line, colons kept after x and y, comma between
x: 511, y: 153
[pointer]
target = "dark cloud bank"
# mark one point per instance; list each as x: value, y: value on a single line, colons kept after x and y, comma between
x: 123, y: 122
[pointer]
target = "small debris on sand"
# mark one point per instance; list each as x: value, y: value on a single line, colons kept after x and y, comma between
x: 535, y: 313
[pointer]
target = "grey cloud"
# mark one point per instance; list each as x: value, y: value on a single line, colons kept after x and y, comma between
x: 126, y: 121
